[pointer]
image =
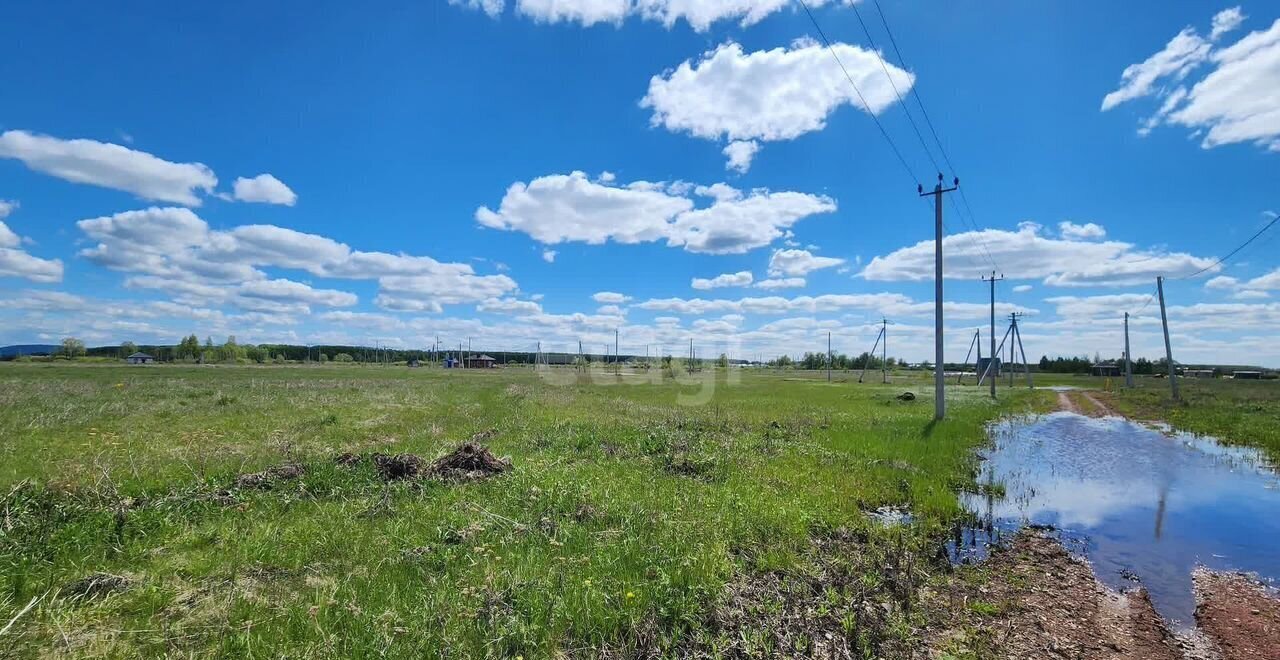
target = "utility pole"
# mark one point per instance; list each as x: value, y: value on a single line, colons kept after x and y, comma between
x: 872, y: 354
x: 1026, y: 367
x: 828, y: 356
x: 939, y: 384
x: 993, y: 279
x: 1168, y: 351
x: 976, y: 341
x: 617, y: 368
x: 1128, y: 361
x: 884, y: 350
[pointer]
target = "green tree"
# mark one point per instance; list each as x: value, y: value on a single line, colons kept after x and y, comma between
x: 128, y: 348
x: 343, y: 357
x: 723, y: 362
x: 71, y: 348
x: 188, y: 348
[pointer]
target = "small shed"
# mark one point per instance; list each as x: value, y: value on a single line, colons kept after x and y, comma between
x: 414, y: 363
x: 1108, y: 370
x: 140, y: 358
x: 481, y: 362
x: 1201, y: 373
x: 1247, y: 375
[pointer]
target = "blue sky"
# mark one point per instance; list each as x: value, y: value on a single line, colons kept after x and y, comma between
x: 528, y: 171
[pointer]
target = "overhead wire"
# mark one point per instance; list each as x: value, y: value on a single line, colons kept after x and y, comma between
x: 1233, y: 252
x: 896, y: 92
x: 827, y: 42
x: 971, y: 218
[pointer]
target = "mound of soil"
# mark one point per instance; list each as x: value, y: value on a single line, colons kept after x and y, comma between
x: 96, y: 584
x: 1239, y: 614
x: 268, y: 478
x: 469, y: 461
x: 398, y: 466
x: 906, y: 396
x: 1034, y: 600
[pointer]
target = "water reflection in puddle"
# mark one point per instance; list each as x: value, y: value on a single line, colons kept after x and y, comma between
x: 1140, y: 504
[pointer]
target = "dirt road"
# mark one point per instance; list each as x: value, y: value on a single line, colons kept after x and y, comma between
x: 1037, y: 601
x: 1092, y: 406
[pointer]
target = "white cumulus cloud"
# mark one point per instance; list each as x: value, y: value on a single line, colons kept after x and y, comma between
x: 610, y: 297
x: 741, y: 278
x: 1085, y: 231
x: 798, y: 263
x: 768, y: 95
x: 1225, y: 21
x: 557, y: 208
x: 1029, y: 253
x: 781, y: 283
x: 110, y: 166
x: 1235, y: 101
x: 699, y: 14
x: 264, y: 188
x: 740, y: 153
x: 15, y: 262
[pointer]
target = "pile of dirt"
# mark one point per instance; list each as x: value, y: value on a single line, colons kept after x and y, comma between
x: 1239, y: 614
x: 468, y: 462
x: 268, y: 478
x: 1032, y: 599
x: 906, y: 396
x: 397, y: 466
x: 94, y: 585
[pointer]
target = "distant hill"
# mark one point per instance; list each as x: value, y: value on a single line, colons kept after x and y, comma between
x: 27, y: 349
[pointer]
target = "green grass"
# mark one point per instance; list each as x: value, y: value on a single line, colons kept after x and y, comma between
x: 617, y: 531
x: 1238, y: 412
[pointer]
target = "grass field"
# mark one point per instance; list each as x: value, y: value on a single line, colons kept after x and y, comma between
x: 628, y: 524
x: 1240, y: 412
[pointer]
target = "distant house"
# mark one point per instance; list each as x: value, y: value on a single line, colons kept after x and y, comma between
x: 1108, y: 370
x: 414, y: 363
x: 140, y: 358
x: 481, y: 362
x: 1201, y: 373
x: 1247, y: 375
x: 995, y: 368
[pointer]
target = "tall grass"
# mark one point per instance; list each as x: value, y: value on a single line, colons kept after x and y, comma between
x: 617, y: 531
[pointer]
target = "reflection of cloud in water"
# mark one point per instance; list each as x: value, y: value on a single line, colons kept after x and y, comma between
x: 1074, y: 503
x: 1157, y: 504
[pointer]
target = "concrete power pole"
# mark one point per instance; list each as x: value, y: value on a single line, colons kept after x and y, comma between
x: 939, y: 380
x: 1128, y: 359
x: 1168, y: 351
x: 993, y: 279
x: 828, y: 356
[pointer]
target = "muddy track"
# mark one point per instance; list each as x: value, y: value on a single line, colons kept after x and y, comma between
x: 1038, y: 601
x: 1093, y: 406
x: 1240, y: 615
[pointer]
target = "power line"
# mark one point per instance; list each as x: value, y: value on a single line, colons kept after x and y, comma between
x: 914, y: 92
x: 971, y: 220
x: 1233, y: 252
x: 827, y: 42
x: 896, y: 92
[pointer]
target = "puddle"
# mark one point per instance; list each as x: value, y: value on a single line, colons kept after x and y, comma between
x: 1138, y: 503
